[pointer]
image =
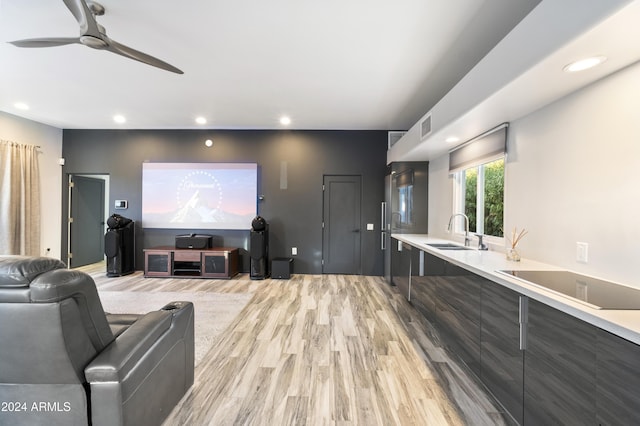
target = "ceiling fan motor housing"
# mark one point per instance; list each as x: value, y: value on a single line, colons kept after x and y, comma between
x: 94, y: 42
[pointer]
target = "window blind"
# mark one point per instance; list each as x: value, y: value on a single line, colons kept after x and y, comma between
x: 488, y: 146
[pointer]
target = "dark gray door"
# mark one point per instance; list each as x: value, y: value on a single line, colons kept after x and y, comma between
x: 87, y: 224
x: 341, y: 225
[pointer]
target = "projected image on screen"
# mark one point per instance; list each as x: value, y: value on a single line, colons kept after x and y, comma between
x: 199, y: 195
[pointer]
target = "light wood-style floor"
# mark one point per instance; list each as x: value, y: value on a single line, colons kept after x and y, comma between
x: 322, y: 350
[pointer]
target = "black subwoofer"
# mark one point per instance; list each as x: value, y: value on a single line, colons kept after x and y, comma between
x: 281, y: 268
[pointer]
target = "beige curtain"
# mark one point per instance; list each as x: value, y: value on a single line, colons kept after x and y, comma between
x: 19, y: 199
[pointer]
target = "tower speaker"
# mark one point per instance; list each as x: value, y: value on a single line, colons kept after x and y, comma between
x: 119, y: 246
x: 259, y: 249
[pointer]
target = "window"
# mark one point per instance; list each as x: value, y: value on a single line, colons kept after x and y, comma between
x: 479, y: 193
x: 478, y: 169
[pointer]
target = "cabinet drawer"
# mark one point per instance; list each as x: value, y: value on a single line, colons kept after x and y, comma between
x: 157, y: 264
x: 186, y: 256
x: 215, y: 264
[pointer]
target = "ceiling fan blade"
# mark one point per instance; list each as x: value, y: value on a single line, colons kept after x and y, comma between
x: 45, y: 42
x: 86, y: 20
x: 128, y: 52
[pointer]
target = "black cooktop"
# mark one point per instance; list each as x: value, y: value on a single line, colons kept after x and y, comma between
x: 593, y: 292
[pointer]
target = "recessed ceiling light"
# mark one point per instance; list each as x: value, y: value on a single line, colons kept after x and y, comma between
x: 208, y: 143
x: 201, y: 120
x: 21, y: 105
x: 120, y: 119
x: 584, y: 64
x: 452, y: 139
x: 285, y: 121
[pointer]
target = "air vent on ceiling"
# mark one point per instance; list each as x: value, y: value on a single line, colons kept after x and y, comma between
x: 425, y: 127
x: 394, y: 137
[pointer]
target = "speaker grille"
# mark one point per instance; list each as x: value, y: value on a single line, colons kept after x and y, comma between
x: 257, y: 245
x: 111, y: 243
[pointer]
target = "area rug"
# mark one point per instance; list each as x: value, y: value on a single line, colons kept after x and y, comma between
x: 213, y: 311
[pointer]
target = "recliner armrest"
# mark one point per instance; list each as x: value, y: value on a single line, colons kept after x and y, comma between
x: 116, y: 361
x: 145, y: 371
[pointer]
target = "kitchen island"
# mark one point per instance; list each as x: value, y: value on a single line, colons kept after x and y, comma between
x: 623, y: 323
x: 546, y: 358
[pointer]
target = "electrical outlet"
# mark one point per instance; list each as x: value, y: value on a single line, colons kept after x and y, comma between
x: 582, y: 252
x: 294, y: 251
x: 369, y: 226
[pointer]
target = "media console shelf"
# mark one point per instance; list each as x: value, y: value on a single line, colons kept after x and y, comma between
x: 166, y: 261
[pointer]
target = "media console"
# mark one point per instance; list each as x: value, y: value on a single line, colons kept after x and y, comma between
x: 166, y: 261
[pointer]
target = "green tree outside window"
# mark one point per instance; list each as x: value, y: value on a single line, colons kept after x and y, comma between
x: 492, y: 201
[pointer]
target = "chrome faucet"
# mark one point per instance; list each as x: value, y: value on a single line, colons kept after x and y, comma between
x: 467, y: 240
x: 481, y: 246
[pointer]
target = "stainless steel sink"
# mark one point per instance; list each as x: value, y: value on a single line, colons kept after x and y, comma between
x: 448, y: 246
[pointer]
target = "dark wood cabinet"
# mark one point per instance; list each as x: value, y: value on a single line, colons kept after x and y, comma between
x: 570, y: 373
x: 396, y: 253
x: 618, y: 380
x: 401, y: 266
x: 449, y: 297
x: 576, y: 373
x: 157, y: 263
x: 187, y: 263
x: 219, y: 262
x: 458, y: 308
x: 502, y: 360
x: 559, y: 368
x: 424, y: 292
x: 545, y: 367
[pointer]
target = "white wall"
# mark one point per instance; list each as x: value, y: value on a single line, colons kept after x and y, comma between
x: 572, y: 174
x: 440, y: 197
x: 49, y: 139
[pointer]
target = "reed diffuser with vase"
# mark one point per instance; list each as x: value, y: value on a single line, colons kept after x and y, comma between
x: 512, y: 252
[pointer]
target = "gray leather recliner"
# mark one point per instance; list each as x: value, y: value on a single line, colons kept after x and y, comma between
x: 63, y: 361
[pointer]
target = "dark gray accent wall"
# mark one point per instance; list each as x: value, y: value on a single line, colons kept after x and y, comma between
x: 294, y: 214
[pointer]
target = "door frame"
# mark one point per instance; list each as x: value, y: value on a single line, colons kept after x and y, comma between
x: 358, y: 268
x: 103, y: 176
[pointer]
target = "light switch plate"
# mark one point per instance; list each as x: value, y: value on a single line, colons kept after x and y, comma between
x: 582, y: 252
x: 369, y: 226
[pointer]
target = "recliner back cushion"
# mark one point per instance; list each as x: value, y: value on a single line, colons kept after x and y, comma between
x: 61, y: 284
x: 43, y: 343
x: 19, y: 271
x: 45, y: 280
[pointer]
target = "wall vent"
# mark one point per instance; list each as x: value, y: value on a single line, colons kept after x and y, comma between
x: 394, y: 137
x: 425, y: 127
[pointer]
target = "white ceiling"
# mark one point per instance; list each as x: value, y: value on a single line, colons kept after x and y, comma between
x: 333, y: 64
x: 524, y: 71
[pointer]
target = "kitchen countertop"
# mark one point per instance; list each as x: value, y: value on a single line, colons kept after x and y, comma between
x: 623, y: 323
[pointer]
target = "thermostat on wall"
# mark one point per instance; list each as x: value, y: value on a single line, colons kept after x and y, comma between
x: 121, y: 204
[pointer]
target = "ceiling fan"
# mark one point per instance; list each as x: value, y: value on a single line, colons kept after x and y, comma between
x: 94, y: 35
